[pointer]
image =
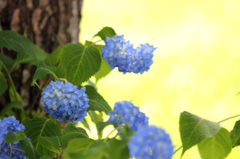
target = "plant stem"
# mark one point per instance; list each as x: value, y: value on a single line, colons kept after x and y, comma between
x: 2, y: 145
x: 229, y: 118
x: 177, y: 150
x: 35, y: 83
x: 10, y: 151
x: 95, y: 42
x: 35, y: 99
x: 12, y: 68
x: 114, y: 130
x: 109, y: 134
x: 11, y: 81
x: 14, y: 89
x: 55, y: 77
x: 62, y: 79
x: 2, y: 50
x: 100, y: 133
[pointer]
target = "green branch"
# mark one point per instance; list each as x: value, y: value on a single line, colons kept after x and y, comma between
x: 11, y: 81
x: 229, y: 118
x: 177, y: 150
x: 95, y: 42
x: 114, y: 130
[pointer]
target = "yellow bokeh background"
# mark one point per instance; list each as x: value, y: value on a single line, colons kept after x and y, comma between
x: 196, y: 64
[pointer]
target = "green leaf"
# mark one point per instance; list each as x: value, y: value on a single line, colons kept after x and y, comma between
x: 23, y: 58
x: 105, y: 68
x: 9, y: 113
x: 43, y: 70
x: 96, y: 101
x: 53, y: 58
x: 41, y: 127
x: 14, y: 41
x: 96, y: 151
x: 29, y: 150
x: 77, y: 145
x: 12, y: 137
x: 235, y: 134
x: 13, y: 97
x: 112, y: 149
x: 45, y: 157
x: 7, y: 61
x: 50, y: 143
x: 95, y: 117
x: 70, y: 133
x: 106, y: 32
x: 194, y: 129
x: 216, y: 147
x: 3, y: 83
x: 26, y: 58
x: 40, y: 54
x: 100, y: 146
x: 102, y: 125
x: 85, y: 123
x: 25, y: 144
x: 81, y: 155
x: 11, y: 105
x: 126, y: 132
x: 118, y: 149
x: 81, y: 62
x: 61, y: 71
x: 24, y: 114
x: 90, y: 83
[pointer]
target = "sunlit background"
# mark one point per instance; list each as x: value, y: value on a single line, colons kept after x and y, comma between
x: 196, y: 65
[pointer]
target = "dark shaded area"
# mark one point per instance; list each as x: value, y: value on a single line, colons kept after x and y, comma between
x: 41, y: 21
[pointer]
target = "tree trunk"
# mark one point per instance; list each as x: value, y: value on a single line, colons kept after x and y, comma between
x: 42, y: 21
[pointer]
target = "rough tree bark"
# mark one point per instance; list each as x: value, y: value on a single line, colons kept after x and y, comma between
x: 41, y: 20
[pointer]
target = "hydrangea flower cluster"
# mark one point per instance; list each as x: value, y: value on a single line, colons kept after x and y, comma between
x: 126, y: 112
x: 10, y: 150
x: 120, y: 53
x: 65, y: 101
x: 150, y: 142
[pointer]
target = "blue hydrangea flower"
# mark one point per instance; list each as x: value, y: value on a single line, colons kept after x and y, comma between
x: 112, y: 49
x: 150, y: 142
x: 126, y: 112
x: 3, y: 132
x: 8, y: 150
x: 143, y: 58
x: 120, y: 53
x: 65, y: 101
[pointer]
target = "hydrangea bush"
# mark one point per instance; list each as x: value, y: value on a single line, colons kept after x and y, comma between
x: 10, y: 150
x: 125, y: 113
x: 67, y: 93
x: 65, y: 101
x: 150, y: 142
x: 120, y: 53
